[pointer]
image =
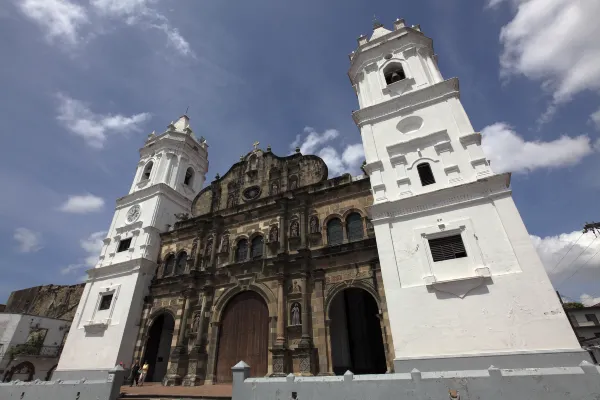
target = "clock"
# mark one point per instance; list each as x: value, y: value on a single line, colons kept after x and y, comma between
x: 133, y: 214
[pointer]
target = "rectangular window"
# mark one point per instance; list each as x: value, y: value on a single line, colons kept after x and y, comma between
x: 447, y: 248
x: 124, y: 245
x: 105, y: 302
x: 592, y: 318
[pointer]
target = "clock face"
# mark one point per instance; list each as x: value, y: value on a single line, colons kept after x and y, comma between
x: 133, y: 214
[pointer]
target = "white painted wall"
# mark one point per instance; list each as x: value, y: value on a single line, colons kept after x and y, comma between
x: 15, y: 328
x: 100, y: 339
x: 498, y: 299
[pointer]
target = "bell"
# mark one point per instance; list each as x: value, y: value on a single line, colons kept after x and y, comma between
x: 395, y: 77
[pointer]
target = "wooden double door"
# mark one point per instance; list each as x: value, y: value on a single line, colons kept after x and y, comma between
x: 243, y: 336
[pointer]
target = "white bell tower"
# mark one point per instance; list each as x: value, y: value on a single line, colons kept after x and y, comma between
x: 170, y: 173
x: 464, y: 285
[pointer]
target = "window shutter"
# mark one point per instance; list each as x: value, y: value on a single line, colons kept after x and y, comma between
x: 447, y: 248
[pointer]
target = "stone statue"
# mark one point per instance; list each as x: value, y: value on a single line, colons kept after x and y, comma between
x: 293, y: 183
x: 274, y: 234
x: 295, y: 229
x: 196, y: 323
x: 225, y: 243
x: 209, y: 245
x: 314, y: 224
x: 295, y: 313
x: 296, y: 287
x: 274, y: 188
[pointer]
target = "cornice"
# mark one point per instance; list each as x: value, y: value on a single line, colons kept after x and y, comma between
x: 482, y: 189
x: 154, y: 190
x: 142, y: 265
x: 413, y: 100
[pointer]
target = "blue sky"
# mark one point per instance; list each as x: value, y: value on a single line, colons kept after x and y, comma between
x: 83, y: 82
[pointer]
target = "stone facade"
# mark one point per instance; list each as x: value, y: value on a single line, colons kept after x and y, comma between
x: 52, y: 301
x: 265, y: 227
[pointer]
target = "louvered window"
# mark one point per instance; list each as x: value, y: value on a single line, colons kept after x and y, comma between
x: 241, y: 252
x: 447, y: 248
x: 335, y: 233
x: 181, y: 262
x: 354, y: 227
x: 257, y: 247
x: 425, y: 174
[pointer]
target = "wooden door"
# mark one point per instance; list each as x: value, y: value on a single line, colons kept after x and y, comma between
x: 243, y: 336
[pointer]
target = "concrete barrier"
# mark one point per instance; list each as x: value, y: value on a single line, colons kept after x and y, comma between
x: 582, y: 382
x: 107, y: 388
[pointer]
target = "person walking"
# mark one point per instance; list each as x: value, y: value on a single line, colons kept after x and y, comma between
x: 135, y: 373
x: 143, y: 374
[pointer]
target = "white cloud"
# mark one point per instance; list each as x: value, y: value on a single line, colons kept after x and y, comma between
x: 554, y: 42
x: 595, y: 118
x: 141, y: 12
x: 588, y: 300
x: 317, y: 143
x: 28, y: 240
x: 510, y: 152
x: 91, y: 246
x: 83, y: 204
x: 77, y: 117
x: 60, y: 19
x: 552, y: 249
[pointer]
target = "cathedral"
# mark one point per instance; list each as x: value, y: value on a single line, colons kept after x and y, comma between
x: 425, y: 263
x: 265, y: 269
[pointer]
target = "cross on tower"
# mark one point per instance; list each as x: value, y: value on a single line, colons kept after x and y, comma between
x: 255, y: 144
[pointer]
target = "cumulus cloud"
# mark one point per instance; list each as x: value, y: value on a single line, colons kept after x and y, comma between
x: 91, y: 246
x: 510, y: 152
x: 94, y: 128
x: 595, y: 118
x: 60, y: 19
x: 565, y: 258
x: 83, y: 204
x: 28, y: 241
x: 313, y: 142
x: 555, y: 43
x: 66, y: 20
x: 143, y: 13
x: 588, y: 300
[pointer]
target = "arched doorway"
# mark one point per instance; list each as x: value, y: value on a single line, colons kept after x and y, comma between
x: 244, y: 335
x: 355, y: 332
x: 158, y: 347
x: 23, y: 372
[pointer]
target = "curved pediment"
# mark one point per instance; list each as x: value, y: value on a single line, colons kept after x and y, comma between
x: 257, y: 175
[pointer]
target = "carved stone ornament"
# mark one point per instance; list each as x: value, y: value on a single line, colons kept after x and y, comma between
x: 251, y: 193
x: 225, y: 244
x: 295, y: 314
x: 274, y: 188
x: 274, y: 234
x: 295, y: 229
x: 314, y: 224
x: 194, y: 247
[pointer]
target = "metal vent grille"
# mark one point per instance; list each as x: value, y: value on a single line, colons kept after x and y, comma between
x: 447, y: 248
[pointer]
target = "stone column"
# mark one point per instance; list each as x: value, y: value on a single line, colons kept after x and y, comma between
x: 320, y: 324
x: 303, y: 226
x: 213, y: 250
x: 178, y: 357
x: 304, y: 352
x: 282, y: 226
x: 280, y: 311
x: 279, y: 350
x: 197, y: 360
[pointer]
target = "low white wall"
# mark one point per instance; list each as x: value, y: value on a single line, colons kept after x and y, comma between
x: 581, y: 382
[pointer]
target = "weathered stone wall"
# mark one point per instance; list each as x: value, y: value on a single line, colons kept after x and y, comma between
x: 581, y: 382
x: 53, y: 301
x: 296, y: 259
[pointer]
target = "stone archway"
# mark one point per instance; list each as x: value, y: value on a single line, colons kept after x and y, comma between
x: 158, y: 346
x: 355, y: 333
x: 243, y: 335
x: 23, y: 371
